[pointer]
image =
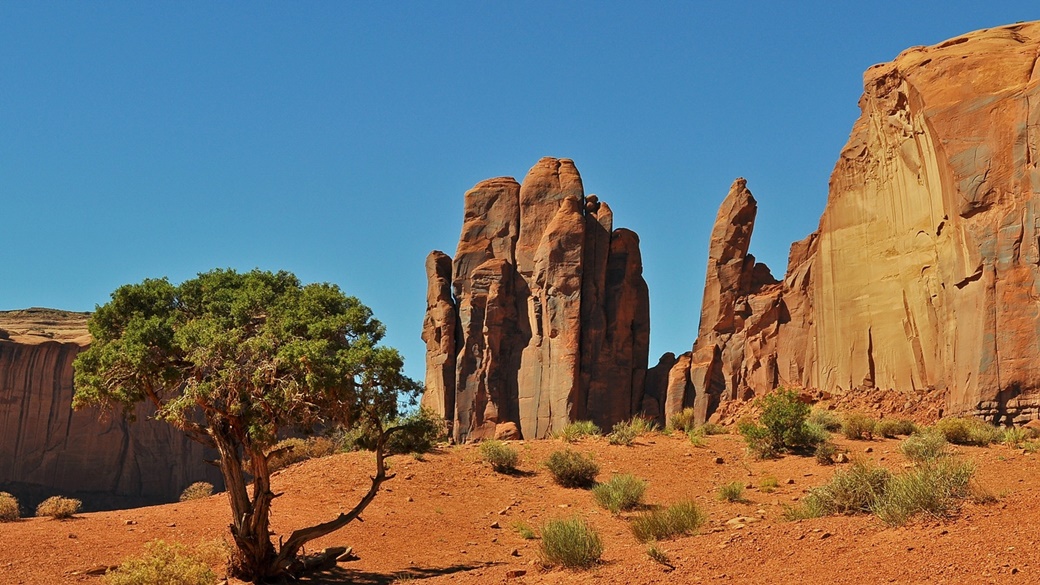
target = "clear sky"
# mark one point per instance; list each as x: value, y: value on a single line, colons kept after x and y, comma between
x: 335, y: 139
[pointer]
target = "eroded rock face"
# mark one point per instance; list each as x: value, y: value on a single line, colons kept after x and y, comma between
x: 46, y: 448
x: 924, y: 273
x: 550, y: 305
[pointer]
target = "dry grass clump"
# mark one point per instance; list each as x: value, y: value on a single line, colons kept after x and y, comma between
x: 570, y: 543
x: 678, y: 519
x: 294, y: 450
x: 894, y: 427
x: 572, y: 469
x: 825, y: 453
x: 968, y: 431
x: 622, y: 492
x: 731, y: 492
x: 827, y: 419
x: 167, y: 564
x: 685, y: 421
x: 501, y: 456
x: 768, y: 484
x: 858, y: 427
x: 625, y: 432
x: 658, y: 556
x: 578, y: 429
x: 924, y: 447
x: 197, y: 491
x: 58, y: 507
x: 9, y: 511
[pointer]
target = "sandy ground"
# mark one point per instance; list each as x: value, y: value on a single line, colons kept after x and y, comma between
x: 448, y: 518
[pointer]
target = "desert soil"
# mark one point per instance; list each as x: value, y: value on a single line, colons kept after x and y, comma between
x: 448, y: 518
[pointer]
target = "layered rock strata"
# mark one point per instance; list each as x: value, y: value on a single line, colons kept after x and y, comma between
x: 924, y: 272
x: 47, y: 449
x: 550, y: 309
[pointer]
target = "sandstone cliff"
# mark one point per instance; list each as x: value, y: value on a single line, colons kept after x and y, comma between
x: 924, y: 273
x: 547, y: 316
x: 47, y: 449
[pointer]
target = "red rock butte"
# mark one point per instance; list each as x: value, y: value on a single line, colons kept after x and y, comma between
x: 924, y: 273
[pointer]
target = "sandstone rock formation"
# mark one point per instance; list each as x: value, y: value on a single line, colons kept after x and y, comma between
x: 550, y: 307
x: 924, y: 273
x: 47, y: 449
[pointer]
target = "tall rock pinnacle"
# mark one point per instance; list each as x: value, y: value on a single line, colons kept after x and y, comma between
x: 550, y: 305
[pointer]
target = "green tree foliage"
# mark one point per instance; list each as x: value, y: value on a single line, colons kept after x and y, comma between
x: 237, y: 360
x: 782, y: 425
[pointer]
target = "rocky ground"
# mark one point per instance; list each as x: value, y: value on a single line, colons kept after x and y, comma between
x: 448, y: 518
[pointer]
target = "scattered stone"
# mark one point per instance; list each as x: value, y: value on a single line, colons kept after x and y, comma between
x: 495, y: 524
x: 514, y: 573
x: 719, y: 460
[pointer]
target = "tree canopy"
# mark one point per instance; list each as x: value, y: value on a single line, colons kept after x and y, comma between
x: 237, y: 360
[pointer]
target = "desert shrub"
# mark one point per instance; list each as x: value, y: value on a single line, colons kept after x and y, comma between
x: 894, y: 427
x: 163, y: 564
x: 678, y: 519
x: 781, y: 426
x: 968, y: 431
x: 577, y: 430
x: 572, y: 469
x: 825, y: 453
x: 768, y: 484
x: 58, y: 507
x: 197, y: 491
x: 1014, y: 436
x: 295, y: 449
x: 825, y: 418
x: 711, y: 429
x: 696, y: 440
x: 685, y: 421
x: 858, y: 426
x: 657, y: 555
x: 524, y: 530
x: 622, y: 492
x: 623, y: 433
x: 570, y: 543
x: 853, y: 490
x: 501, y: 456
x: 731, y: 492
x: 421, y: 431
x: 924, y: 446
x: 934, y: 488
x: 9, y: 510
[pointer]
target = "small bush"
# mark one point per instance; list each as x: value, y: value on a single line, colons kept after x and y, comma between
x: 781, y: 427
x: 577, y: 430
x: 9, y: 510
x: 58, y: 507
x: 858, y: 427
x: 968, y: 431
x: 1015, y: 436
x: 894, y: 427
x: 658, y: 556
x: 678, y: 519
x: 162, y: 564
x: 570, y: 543
x: 197, y: 491
x: 768, y: 484
x: 501, y: 456
x: 622, y: 492
x: 572, y: 469
x: 295, y: 449
x: 684, y: 421
x: 934, y: 488
x: 422, y: 430
x: 924, y: 447
x: 711, y: 429
x: 825, y: 418
x: 622, y: 434
x: 825, y: 453
x: 731, y: 492
x: 853, y: 490
x: 524, y: 530
x: 696, y: 440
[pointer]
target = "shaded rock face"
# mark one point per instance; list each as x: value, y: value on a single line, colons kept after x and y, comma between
x: 47, y: 449
x: 924, y: 273
x: 552, y: 313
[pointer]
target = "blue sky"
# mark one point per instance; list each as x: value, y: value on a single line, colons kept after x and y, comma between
x: 335, y: 139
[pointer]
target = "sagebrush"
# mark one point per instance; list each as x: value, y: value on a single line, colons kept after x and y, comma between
x: 572, y: 469
x: 781, y: 426
x: 501, y: 456
x: 59, y: 507
x: 165, y: 564
x: 621, y: 492
x: 9, y: 509
x: 197, y: 491
x: 578, y: 429
x: 679, y: 519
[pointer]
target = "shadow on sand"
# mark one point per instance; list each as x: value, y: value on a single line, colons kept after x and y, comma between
x: 342, y: 576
